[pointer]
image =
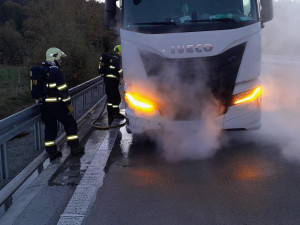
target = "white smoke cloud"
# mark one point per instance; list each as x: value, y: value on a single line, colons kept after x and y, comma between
x: 194, y: 140
x: 186, y: 98
x: 281, y: 35
x: 281, y: 78
x: 281, y: 108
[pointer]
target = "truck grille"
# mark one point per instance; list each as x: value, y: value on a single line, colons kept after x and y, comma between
x: 186, y: 84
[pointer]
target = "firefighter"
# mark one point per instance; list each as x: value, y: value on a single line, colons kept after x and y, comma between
x: 110, y: 69
x: 56, y: 106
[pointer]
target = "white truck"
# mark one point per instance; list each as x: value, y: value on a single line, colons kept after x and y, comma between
x: 182, y: 59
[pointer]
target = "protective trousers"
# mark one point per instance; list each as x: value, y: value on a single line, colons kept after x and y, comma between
x: 51, y: 113
x: 113, y: 95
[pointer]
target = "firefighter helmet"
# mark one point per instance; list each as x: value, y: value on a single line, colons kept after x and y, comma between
x: 54, y: 54
x: 117, y: 49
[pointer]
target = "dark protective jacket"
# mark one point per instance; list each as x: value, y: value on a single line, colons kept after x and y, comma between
x: 57, y: 89
x: 110, y: 66
x: 54, y: 108
x: 110, y: 69
x: 104, y: 64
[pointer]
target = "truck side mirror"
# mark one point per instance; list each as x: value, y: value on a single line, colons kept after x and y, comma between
x: 111, y: 18
x: 266, y: 12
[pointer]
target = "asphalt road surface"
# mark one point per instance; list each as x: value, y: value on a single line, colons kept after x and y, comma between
x: 254, y: 178
x: 247, y: 182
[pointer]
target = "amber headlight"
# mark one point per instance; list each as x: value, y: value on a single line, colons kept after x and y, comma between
x: 139, y: 103
x: 251, y: 95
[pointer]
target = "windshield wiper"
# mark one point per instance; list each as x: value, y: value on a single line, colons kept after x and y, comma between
x: 195, y: 21
x: 157, y: 23
x: 225, y: 20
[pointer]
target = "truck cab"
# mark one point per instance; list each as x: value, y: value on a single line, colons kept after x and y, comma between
x: 186, y: 60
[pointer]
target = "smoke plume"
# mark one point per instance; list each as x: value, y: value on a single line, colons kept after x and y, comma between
x: 184, y: 96
x: 281, y: 78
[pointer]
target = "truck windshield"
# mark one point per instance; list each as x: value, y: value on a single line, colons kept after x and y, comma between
x: 159, y: 16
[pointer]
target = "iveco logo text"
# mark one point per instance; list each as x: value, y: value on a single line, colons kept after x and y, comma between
x: 191, y: 48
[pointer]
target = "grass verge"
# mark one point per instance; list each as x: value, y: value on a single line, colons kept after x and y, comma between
x: 14, y: 90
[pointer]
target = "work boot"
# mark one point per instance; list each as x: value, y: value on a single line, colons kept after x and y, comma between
x: 77, y: 150
x: 54, y: 155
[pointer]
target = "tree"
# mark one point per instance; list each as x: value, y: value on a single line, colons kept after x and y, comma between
x: 12, y: 11
x: 29, y: 27
x: 10, y: 44
x: 76, y: 27
x: 11, y: 20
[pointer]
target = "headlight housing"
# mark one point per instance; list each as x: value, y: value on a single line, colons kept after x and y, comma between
x: 248, y: 96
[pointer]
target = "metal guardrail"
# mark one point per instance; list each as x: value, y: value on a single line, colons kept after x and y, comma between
x: 84, y: 96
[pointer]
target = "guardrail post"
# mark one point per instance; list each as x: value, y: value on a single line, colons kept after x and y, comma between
x: 3, y: 160
x: 92, y: 95
x: 37, y: 136
x: 99, y: 91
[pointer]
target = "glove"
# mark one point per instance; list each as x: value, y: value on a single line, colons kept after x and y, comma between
x: 71, y: 109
